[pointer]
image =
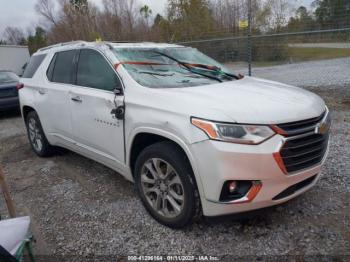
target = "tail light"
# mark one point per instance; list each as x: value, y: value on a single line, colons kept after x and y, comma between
x: 19, y: 86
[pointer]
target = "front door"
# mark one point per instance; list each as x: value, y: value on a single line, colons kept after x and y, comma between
x: 95, y: 129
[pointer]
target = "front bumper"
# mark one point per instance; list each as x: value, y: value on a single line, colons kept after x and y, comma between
x: 9, y: 103
x: 217, y: 162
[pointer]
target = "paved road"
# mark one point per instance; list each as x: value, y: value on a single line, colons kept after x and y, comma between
x: 333, y: 72
x: 322, y: 45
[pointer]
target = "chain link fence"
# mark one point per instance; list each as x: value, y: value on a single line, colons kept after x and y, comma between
x: 311, y: 58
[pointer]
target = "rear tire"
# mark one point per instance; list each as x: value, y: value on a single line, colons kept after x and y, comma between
x: 165, y: 183
x: 36, y: 136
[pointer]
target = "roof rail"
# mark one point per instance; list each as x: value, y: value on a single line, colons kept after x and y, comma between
x: 124, y: 42
x: 61, y: 44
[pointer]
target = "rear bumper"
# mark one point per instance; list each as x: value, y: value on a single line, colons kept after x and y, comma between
x: 9, y: 103
x: 218, y: 162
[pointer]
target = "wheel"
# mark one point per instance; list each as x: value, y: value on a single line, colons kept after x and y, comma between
x: 36, y: 136
x: 166, y: 185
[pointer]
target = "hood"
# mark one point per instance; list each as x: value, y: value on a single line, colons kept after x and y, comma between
x: 249, y: 100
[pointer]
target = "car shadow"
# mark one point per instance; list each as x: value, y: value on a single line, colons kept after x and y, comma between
x: 249, y: 218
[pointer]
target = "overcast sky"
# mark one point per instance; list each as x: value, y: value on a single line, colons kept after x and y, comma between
x: 21, y: 13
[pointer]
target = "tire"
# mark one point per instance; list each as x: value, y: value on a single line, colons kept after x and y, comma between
x: 163, y: 175
x: 36, y: 136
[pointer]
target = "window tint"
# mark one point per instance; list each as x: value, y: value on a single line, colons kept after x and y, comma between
x: 34, y: 63
x: 49, y: 71
x: 94, y: 71
x: 63, y: 71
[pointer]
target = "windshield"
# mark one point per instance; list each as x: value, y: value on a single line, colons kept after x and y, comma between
x: 171, y: 67
x: 6, y: 77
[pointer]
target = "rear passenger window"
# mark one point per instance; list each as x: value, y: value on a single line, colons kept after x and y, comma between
x: 34, y: 63
x: 63, y: 68
x: 94, y: 71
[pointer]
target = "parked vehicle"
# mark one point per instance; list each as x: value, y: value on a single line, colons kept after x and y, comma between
x: 8, y: 90
x: 14, y: 58
x: 195, y: 138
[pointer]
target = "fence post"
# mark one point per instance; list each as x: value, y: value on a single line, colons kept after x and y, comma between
x: 7, y: 196
x: 249, y: 38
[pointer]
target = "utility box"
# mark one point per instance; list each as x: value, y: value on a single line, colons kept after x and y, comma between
x: 14, y: 58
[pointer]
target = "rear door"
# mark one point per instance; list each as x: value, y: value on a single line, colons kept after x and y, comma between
x: 53, y: 97
x: 95, y: 129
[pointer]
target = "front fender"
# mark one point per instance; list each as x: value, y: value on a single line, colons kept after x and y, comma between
x: 170, y: 136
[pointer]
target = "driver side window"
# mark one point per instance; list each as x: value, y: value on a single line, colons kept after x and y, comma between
x: 95, y: 72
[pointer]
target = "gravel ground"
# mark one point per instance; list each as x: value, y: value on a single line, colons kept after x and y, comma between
x: 322, y: 45
x: 79, y: 207
x: 307, y: 74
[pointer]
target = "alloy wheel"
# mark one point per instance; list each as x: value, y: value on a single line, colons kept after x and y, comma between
x: 35, y: 135
x: 162, y: 187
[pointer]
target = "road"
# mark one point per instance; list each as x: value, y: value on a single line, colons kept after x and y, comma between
x: 322, y: 45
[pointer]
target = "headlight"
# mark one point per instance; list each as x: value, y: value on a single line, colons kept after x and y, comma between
x: 235, y: 133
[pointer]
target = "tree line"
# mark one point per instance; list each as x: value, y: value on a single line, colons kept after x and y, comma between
x: 185, y: 20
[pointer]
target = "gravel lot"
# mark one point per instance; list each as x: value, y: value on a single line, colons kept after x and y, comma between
x: 308, y: 74
x: 79, y: 207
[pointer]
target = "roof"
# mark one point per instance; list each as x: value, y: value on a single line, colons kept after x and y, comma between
x: 69, y: 45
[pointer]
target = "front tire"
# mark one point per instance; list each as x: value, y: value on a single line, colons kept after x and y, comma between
x: 36, y: 136
x: 166, y: 185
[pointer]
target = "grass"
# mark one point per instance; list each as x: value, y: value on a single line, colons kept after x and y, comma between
x: 300, y: 54
x: 316, y: 53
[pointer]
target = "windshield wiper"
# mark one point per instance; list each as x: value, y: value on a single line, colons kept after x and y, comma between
x: 188, y: 67
x: 154, y: 73
x: 214, y: 69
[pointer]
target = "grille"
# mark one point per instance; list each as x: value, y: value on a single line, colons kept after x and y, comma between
x: 307, y: 148
x: 299, y: 127
x: 304, y: 152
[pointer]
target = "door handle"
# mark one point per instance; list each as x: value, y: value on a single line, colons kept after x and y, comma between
x: 41, y: 92
x: 77, y: 99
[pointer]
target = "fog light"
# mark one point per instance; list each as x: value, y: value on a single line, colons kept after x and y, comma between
x: 232, y: 186
x: 235, y: 189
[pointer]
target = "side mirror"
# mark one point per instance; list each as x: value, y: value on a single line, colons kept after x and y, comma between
x: 118, y: 112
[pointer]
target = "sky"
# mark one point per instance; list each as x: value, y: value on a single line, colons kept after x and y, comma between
x: 21, y: 13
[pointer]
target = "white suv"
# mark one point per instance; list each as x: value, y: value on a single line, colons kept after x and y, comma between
x: 194, y: 137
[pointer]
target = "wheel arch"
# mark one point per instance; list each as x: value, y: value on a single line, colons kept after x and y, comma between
x: 25, y: 111
x: 144, y: 138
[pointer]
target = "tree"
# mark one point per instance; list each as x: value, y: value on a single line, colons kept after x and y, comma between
x: 146, y: 12
x: 14, y: 36
x: 160, y: 28
x: 301, y: 21
x: 79, y: 5
x: 280, y: 9
x: 189, y: 19
x: 332, y: 13
x: 46, y: 8
x: 38, y: 40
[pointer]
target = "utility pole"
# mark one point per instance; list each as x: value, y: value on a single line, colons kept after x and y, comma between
x: 249, y: 38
